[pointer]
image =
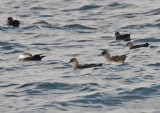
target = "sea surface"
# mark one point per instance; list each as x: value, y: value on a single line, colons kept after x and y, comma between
x: 82, y: 29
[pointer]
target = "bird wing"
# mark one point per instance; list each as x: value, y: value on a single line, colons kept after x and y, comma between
x: 88, y: 66
x: 119, y: 58
x: 15, y: 23
x: 142, y: 45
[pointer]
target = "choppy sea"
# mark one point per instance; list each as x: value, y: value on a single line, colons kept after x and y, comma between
x: 64, y: 29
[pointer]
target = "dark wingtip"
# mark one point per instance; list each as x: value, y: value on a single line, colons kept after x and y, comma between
x: 38, y: 57
x: 126, y: 54
x: 100, y: 64
x: 147, y: 44
x: 42, y: 56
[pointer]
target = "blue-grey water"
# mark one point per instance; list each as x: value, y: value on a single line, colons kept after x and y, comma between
x: 63, y: 29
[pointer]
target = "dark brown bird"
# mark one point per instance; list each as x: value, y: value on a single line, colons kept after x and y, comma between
x: 76, y: 64
x: 118, y: 59
x: 30, y: 57
x: 132, y: 46
x: 125, y: 37
x: 11, y: 22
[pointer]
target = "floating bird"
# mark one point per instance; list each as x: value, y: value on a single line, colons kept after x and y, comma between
x: 125, y: 37
x: 119, y: 59
x: 76, y: 65
x: 132, y: 46
x: 11, y: 22
x: 30, y: 57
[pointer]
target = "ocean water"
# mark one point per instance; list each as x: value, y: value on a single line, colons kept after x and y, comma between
x: 63, y: 29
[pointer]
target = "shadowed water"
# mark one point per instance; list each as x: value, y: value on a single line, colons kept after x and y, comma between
x: 64, y: 29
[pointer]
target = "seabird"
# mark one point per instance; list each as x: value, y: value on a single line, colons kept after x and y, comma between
x: 113, y: 59
x: 76, y: 65
x: 132, y: 46
x: 125, y: 37
x: 30, y: 57
x: 11, y: 22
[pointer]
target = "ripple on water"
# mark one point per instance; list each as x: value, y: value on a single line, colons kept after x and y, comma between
x: 142, y: 91
x: 98, y: 98
x: 141, y: 26
x: 30, y: 27
x: 78, y: 26
x: 56, y: 85
x: 116, y: 5
x: 9, y: 85
x: 86, y: 7
x: 155, y: 65
x: 10, y: 46
x: 38, y: 8
x: 44, y: 24
x: 66, y: 86
x: 26, y: 85
x: 153, y: 12
x: 152, y: 39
